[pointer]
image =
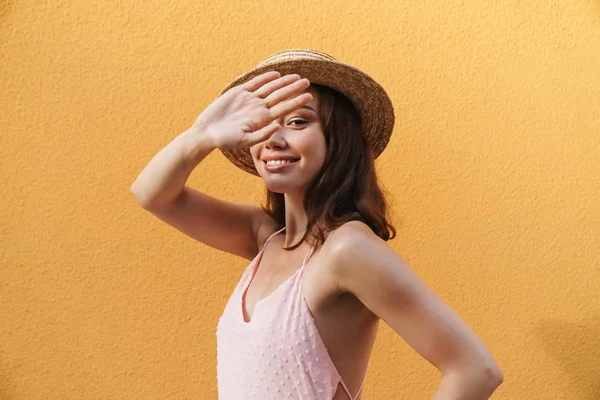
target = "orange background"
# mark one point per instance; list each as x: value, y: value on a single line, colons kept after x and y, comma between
x: 493, y: 169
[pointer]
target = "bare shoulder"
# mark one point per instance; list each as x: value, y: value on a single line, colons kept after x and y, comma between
x: 351, y: 230
x: 351, y: 237
x: 351, y: 245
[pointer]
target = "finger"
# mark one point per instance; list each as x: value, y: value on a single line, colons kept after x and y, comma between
x: 272, y: 86
x: 290, y: 105
x: 262, y: 134
x: 286, y: 92
x: 260, y: 80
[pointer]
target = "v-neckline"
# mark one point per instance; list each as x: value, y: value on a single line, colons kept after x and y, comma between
x: 253, y: 271
x: 260, y: 301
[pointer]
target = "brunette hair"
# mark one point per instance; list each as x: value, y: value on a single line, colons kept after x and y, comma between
x: 347, y: 187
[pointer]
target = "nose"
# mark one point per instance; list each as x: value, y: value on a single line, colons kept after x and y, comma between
x: 276, y: 140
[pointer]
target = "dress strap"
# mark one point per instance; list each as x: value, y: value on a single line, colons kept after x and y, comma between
x: 271, y: 237
x: 307, y: 256
x: 348, y: 391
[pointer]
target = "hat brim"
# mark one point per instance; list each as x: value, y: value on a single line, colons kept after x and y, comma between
x: 370, y: 99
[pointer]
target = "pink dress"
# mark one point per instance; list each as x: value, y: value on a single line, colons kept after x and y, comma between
x: 279, y: 353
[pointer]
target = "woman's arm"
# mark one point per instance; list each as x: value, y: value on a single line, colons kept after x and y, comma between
x: 163, y: 179
x: 370, y: 269
x: 243, y: 116
x: 161, y: 189
x: 467, y: 386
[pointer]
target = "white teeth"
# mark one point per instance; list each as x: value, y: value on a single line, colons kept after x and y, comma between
x: 277, y: 162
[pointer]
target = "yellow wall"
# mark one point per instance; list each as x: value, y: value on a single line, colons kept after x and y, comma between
x: 494, y: 170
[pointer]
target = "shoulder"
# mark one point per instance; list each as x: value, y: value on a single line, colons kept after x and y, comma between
x: 351, y: 247
x: 351, y: 238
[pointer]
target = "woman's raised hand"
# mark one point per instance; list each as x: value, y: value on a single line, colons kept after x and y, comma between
x: 249, y: 113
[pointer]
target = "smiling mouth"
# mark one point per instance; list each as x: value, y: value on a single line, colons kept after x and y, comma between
x: 281, y: 162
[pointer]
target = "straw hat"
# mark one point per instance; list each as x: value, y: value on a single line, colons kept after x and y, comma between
x: 370, y: 99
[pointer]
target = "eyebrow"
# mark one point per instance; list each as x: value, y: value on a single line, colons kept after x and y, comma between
x: 306, y: 107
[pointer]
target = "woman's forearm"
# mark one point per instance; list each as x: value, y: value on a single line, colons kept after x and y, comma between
x: 163, y: 179
x: 465, y: 386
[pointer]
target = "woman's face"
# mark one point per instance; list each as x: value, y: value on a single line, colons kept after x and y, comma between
x: 292, y: 157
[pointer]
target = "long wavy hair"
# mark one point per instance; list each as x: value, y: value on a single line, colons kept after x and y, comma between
x: 346, y: 188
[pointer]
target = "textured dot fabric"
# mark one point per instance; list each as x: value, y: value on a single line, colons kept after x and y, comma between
x: 279, y: 353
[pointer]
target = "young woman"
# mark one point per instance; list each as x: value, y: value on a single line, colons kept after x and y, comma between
x: 302, y: 321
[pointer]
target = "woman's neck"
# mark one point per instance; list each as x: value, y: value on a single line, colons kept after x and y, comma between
x: 295, y: 219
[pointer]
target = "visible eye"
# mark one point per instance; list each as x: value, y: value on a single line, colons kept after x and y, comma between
x: 301, y: 121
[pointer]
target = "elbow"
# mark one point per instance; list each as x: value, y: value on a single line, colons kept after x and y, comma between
x: 488, y: 376
x: 493, y: 372
x: 499, y: 378
x: 139, y: 198
x: 489, y: 372
x: 493, y: 375
x: 136, y: 195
